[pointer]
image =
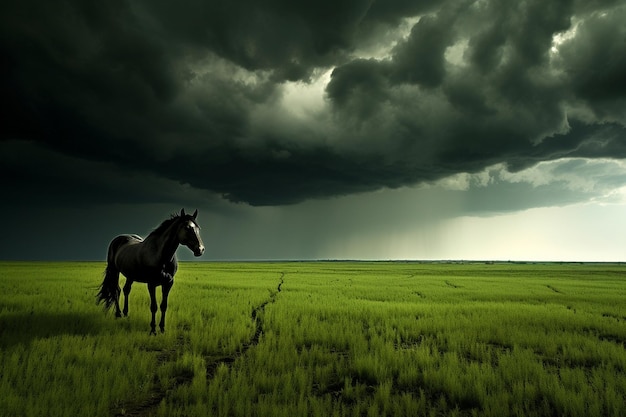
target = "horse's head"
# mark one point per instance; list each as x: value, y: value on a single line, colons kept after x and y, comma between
x: 189, y: 233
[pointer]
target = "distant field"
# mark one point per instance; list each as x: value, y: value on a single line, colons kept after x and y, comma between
x: 319, y: 339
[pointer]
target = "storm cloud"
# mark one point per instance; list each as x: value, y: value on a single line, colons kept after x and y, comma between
x: 157, y: 102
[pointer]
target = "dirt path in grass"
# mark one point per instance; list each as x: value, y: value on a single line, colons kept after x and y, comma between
x: 257, y: 317
x: 149, y: 406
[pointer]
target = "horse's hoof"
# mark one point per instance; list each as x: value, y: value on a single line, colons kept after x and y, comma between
x: 152, y: 332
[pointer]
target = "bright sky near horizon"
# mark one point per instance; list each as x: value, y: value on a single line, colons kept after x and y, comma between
x: 344, y: 129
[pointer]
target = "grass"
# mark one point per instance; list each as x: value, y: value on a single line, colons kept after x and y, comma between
x: 327, y: 339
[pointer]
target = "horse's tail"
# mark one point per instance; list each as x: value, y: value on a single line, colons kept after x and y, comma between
x: 110, y: 290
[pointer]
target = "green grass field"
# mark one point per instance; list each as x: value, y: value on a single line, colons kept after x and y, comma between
x: 319, y: 339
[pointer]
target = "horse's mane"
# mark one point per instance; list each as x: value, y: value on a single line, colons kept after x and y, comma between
x: 166, y: 223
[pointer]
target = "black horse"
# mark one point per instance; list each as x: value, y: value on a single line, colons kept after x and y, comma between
x: 151, y: 260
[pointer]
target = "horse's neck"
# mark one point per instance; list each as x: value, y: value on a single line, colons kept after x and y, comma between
x: 164, y: 244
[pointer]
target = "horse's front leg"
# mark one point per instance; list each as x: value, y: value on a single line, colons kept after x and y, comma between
x: 166, y: 291
x: 153, y: 307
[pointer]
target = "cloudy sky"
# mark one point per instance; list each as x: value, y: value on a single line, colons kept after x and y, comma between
x: 361, y: 129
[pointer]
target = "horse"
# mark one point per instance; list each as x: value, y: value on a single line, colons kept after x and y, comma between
x: 151, y: 261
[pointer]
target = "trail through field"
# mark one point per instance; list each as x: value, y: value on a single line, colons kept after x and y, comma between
x: 554, y: 289
x: 148, y: 407
x: 257, y: 317
x: 452, y: 285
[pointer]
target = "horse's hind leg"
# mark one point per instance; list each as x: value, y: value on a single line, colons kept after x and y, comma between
x: 166, y: 291
x: 127, y: 288
x: 116, y: 302
x: 117, y: 305
x: 153, y: 307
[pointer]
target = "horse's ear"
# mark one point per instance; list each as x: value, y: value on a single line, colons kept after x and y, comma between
x: 195, y: 214
x: 182, y: 212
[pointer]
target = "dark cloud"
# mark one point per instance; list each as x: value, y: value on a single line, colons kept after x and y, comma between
x: 156, y: 101
x: 420, y: 59
x: 595, y: 63
x: 361, y: 85
x: 286, y: 38
x: 55, y: 178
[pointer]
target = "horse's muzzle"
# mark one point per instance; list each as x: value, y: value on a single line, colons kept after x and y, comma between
x: 199, y: 251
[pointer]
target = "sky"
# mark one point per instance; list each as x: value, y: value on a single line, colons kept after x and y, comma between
x: 343, y: 129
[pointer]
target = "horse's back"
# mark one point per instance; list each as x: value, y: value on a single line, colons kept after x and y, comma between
x: 122, y: 240
x: 130, y: 238
x: 119, y: 242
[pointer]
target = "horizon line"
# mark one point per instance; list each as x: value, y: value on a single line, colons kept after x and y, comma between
x: 348, y: 260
